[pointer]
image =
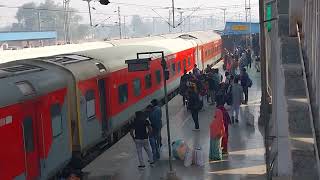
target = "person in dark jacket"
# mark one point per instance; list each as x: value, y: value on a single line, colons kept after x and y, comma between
x: 194, y: 106
x: 183, y: 86
x: 257, y: 64
x: 211, y: 85
x: 244, y: 77
x: 156, y: 121
x: 153, y: 136
x: 140, y: 134
x: 196, y: 70
x: 249, y: 59
x: 220, y: 95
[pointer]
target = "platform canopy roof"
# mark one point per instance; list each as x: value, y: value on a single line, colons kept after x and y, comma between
x: 24, y: 36
x: 240, y: 28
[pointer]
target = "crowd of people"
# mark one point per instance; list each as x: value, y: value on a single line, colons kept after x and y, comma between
x: 210, y: 85
x: 196, y: 88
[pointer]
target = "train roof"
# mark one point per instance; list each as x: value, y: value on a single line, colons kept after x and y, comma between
x: 21, y: 80
x: 200, y: 37
x: 30, y: 53
x: 134, y: 40
x: 114, y: 57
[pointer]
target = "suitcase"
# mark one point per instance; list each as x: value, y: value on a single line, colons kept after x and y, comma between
x: 199, y: 158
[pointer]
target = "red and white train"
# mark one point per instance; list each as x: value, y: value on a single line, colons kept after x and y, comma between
x: 56, y: 102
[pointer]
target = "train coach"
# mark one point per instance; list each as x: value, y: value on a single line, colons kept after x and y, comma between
x: 57, y: 107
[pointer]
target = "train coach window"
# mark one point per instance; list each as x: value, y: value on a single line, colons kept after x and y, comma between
x: 184, y: 63
x: 90, y: 104
x: 28, y: 134
x: 148, y: 81
x: 189, y: 61
x: 179, y: 66
x: 137, y: 87
x: 173, y: 68
x: 56, y: 120
x: 158, y: 76
x: 123, y: 93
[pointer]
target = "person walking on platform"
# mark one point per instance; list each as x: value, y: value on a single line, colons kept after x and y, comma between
x: 234, y: 67
x: 245, y: 83
x: 196, y: 71
x: 243, y: 61
x: 208, y: 69
x: 237, y: 97
x: 249, y: 59
x: 220, y: 77
x: 227, y: 80
x: 217, y: 131
x: 220, y: 95
x: 228, y: 97
x: 140, y: 135
x: 183, y: 86
x: 257, y: 64
x: 153, y: 136
x: 194, y: 106
x: 226, y: 122
x: 211, y: 84
x: 215, y: 80
x: 156, y: 121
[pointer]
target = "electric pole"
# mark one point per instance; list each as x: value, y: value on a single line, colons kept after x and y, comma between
x: 39, y: 21
x: 66, y: 20
x: 169, y: 20
x: 124, y: 26
x: 181, y: 27
x: 250, y: 24
x: 153, y: 25
x: 203, y: 23
x: 189, y: 22
x: 89, y: 7
x: 247, y: 11
x: 224, y: 15
x: 120, y: 33
x: 173, y: 14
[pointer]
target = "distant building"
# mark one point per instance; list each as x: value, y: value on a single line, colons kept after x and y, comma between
x: 19, y: 40
x: 238, y: 34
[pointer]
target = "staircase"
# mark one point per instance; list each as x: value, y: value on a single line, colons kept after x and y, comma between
x: 301, y: 134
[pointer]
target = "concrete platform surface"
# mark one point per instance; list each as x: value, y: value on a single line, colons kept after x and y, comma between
x: 246, y: 148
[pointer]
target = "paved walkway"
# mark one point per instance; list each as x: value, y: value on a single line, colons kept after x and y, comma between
x: 246, y: 148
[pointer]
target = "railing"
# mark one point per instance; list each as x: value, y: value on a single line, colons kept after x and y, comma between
x: 308, y: 100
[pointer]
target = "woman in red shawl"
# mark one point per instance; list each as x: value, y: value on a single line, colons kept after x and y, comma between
x: 217, y: 131
x: 226, y: 122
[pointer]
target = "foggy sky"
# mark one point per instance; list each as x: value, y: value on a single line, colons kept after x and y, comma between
x: 232, y: 13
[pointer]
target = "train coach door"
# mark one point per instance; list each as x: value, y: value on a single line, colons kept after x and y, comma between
x: 103, y: 103
x: 29, y: 129
x: 198, y: 57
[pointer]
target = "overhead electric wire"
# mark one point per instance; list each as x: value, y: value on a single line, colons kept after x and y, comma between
x: 193, y: 9
x: 53, y: 10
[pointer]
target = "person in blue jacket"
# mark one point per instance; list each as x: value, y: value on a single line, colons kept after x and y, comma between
x: 245, y: 80
x: 155, y: 118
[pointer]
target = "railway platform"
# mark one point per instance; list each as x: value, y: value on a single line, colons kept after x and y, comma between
x: 246, y: 159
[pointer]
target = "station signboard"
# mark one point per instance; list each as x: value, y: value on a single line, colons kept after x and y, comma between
x: 138, y: 64
x: 239, y: 27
